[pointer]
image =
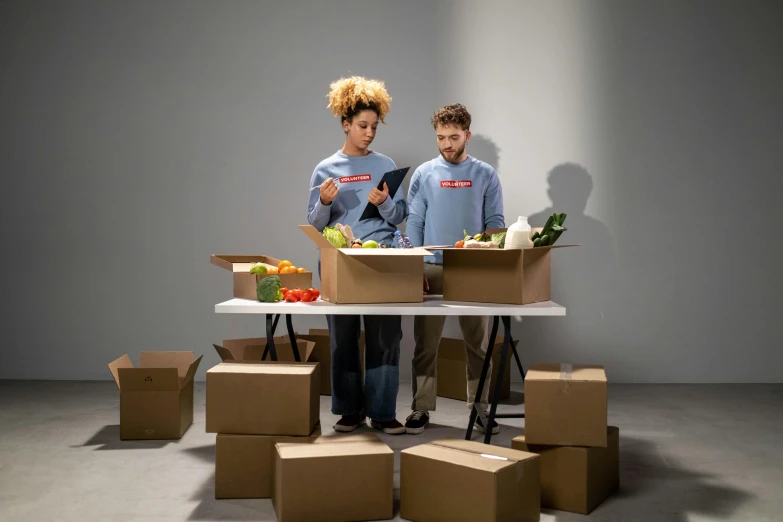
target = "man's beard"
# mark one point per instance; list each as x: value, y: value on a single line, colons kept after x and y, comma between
x: 457, y: 154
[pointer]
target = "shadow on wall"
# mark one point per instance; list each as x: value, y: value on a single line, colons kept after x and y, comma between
x: 483, y: 148
x: 581, y: 276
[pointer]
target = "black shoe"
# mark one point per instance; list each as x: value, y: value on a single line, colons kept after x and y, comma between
x: 348, y: 423
x: 480, y: 426
x: 416, y: 422
x: 392, y: 427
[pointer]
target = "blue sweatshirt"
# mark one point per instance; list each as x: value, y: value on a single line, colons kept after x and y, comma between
x: 356, y: 176
x: 445, y: 199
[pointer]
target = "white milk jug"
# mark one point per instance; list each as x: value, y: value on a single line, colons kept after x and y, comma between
x: 518, y: 235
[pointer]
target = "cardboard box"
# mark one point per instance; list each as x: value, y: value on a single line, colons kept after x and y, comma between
x: 322, y: 354
x: 244, y: 464
x: 156, y: 399
x: 369, y: 275
x: 577, y: 479
x: 566, y: 405
x: 245, y: 283
x: 458, y: 480
x: 252, y: 349
x: 327, y: 482
x: 269, y: 398
x: 452, y: 369
x: 519, y: 276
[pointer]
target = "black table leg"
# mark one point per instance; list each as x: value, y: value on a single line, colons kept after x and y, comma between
x: 519, y: 363
x: 482, y: 380
x: 499, y: 383
x: 292, y: 337
x: 271, y: 326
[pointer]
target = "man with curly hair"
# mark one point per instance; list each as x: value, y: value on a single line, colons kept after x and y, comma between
x: 348, y: 178
x: 449, y: 194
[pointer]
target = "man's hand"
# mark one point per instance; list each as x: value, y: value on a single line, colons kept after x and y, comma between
x: 329, y: 191
x: 377, y: 197
x: 426, y: 285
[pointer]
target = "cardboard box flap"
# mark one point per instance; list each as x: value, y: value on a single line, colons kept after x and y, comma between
x: 285, y: 349
x: 566, y: 372
x: 191, y: 371
x: 385, y: 252
x: 234, y: 263
x: 470, y: 454
x: 356, y: 437
x: 317, y: 237
x: 224, y: 353
x: 148, y: 379
x: 479, y: 448
x: 121, y: 362
x: 486, y: 251
x: 293, y: 450
x: 179, y: 360
x: 268, y: 368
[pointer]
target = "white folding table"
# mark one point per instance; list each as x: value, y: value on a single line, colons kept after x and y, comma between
x: 432, y: 305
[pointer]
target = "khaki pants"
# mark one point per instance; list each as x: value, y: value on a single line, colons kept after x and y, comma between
x: 427, y: 331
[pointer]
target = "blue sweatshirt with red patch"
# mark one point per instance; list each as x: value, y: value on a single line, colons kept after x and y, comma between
x: 445, y: 198
x: 356, y: 176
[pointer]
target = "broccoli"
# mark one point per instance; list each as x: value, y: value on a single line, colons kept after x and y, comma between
x: 268, y: 290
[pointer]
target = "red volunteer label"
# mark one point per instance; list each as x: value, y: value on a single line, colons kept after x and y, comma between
x: 456, y: 184
x: 354, y: 179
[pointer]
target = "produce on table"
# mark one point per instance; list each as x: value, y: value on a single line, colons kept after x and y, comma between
x: 258, y: 268
x: 283, y: 264
x: 335, y: 237
x: 551, y: 232
x: 479, y: 241
x: 315, y: 292
x: 499, y: 238
x: 298, y: 295
x: 302, y: 270
x: 268, y: 290
x: 273, y: 270
x: 370, y: 244
x: 460, y: 243
x: 356, y: 243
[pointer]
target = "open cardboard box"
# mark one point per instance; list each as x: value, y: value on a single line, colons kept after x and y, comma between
x: 252, y: 349
x: 156, y: 399
x: 369, y: 275
x: 245, y: 283
x: 493, y: 275
x: 452, y: 369
x: 322, y: 354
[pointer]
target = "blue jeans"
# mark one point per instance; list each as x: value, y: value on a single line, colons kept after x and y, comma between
x: 378, y: 397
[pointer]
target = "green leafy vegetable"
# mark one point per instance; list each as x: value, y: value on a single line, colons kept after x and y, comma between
x: 499, y: 238
x: 335, y: 237
x: 268, y: 290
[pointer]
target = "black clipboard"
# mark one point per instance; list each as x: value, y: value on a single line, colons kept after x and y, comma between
x: 393, y: 180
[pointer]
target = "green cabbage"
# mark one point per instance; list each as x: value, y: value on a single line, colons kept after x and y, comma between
x: 499, y: 238
x: 334, y: 237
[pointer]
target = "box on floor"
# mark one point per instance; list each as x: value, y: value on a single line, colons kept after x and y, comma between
x: 322, y: 354
x: 458, y: 480
x: 493, y: 275
x: 245, y: 283
x: 341, y: 480
x: 252, y: 349
x: 566, y: 405
x: 369, y: 275
x: 156, y: 399
x: 452, y: 369
x: 266, y: 398
x: 576, y: 479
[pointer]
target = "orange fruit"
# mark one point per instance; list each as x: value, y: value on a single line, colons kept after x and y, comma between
x: 302, y: 271
x: 283, y: 264
x: 273, y: 270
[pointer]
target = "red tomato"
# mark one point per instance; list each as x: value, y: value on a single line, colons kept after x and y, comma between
x: 307, y: 296
x: 285, y: 291
x: 298, y: 293
x: 291, y: 298
x: 315, y: 292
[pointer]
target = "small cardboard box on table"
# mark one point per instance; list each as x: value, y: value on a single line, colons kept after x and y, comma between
x: 156, y: 399
x: 369, y: 275
x: 493, y: 275
x: 245, y: 283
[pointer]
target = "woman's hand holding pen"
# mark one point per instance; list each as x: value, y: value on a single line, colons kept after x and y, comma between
x: 329, y: 191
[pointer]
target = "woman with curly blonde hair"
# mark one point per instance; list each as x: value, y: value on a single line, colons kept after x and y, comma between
x: 348, y: 179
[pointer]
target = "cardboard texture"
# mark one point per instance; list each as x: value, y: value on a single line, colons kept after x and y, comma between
x: 577, y: 479
x: 252, y: 349
x: 322, y: 354
x: 369, y: 275
x: 156, y: 399
x: 245, y: 283
x: 452, y: 369
x: 345, y: 481
x: 566, y: 405
x: 457, y: 480
x: 520, y: 276
x: 244, y: 464
x: 267, y: 398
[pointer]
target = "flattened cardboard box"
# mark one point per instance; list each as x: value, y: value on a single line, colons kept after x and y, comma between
x: 577, y: 479
x: 245, y: 283
x: 267, y: 398
x: 369, y: 275
x: 566, y: 405
x: 346, y: 481
x: 322, y: 354
x: 492, y: 275
x: 466, y: 481
x: 244, y: 464
x: 156, y: 399
x: 452, y: 369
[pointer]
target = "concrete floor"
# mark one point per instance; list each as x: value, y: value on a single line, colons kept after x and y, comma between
x: 688, y: 453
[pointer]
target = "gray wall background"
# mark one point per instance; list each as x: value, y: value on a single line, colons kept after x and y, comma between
x: 140, y: 137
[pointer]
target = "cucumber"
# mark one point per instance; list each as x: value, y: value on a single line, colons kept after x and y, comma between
x: 537, y: 242
x: 545, y: 240
x: 561, y: 219
x: 536, y: 235
x: 549, y: 223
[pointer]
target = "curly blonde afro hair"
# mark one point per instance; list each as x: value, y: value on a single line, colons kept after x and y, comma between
x: 350, y: 96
